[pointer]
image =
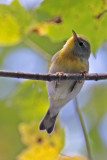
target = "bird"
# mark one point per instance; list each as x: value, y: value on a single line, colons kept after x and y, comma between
x: 72, y: 58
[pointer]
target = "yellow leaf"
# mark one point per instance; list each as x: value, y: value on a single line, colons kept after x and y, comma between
x: 40, y: 144
x: 32, y: 135
x: 39, y: 152
x: 9, y: 30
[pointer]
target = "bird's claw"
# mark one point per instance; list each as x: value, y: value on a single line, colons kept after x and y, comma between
x: 60, y: 73
x: 83, y: 74
x: 58, y: 81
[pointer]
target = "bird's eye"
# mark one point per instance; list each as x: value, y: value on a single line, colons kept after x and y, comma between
x: 81, y: 43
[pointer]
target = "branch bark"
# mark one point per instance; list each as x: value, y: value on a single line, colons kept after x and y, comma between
x: 54, y: 77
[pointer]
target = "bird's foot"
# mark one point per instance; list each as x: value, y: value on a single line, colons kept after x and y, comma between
x: 58, y: 81
x: 83, y: 74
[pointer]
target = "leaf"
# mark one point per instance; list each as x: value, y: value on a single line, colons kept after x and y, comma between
x: 31, y: 135
x: 39, y: 152
x: 8, y: 35
x: 10, y: 143
x: 45, y: 43
x: 15, y: 25
x: 40, y: 144
x: 78, y: 16
x: 27, y: 105
x: 85, y: 18
x: 32, y: 99
x: 14, y: 21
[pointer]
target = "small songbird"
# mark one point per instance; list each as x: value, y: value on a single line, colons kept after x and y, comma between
x: 72, y: 58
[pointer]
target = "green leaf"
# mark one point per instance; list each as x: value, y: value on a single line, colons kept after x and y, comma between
x: 24, y: 109
x: 15, y: 25
x: 80, y: 16
x: 84, y: 18
x: 14, y: 20
x: 9, y: 30
x: 32, y: 99
x: 10, y: 143
x: 45, y: 43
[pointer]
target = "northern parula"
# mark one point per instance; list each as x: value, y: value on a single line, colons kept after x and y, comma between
x: 72, y: 58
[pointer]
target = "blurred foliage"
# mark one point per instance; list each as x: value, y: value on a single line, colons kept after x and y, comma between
x: 98, y: 105
x: 82, y: 17
x: 9, y: 34
x: 95, y: 108
x: 37, y: 99
x: 46, y: 29
x: 32, y: 99
x: 40, y: 145
x: 44, y: 42
x: 19, y: 22
x: 13, y: 23
x: 29, y: 137
x: 10, y: 144
x: 54, y: 21
x: 28, y: 103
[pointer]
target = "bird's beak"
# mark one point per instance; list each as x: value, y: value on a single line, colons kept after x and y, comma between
x: 74, y: 35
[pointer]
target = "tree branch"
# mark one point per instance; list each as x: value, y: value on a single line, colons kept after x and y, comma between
x: 54, y: 77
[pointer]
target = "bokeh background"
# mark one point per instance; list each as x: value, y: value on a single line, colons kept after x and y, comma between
x: 31, y: 31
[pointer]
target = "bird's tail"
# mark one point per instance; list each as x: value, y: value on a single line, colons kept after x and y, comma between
x: 48, y: 122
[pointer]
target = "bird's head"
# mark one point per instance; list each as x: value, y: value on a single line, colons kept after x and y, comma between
x: 78, y: 45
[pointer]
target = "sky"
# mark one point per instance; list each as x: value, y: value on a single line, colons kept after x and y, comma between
x: 27, y: 4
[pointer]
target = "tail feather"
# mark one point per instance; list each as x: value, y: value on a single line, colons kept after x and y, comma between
x: 48, y: 123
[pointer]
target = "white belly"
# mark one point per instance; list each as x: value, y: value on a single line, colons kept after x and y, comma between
x: 62, y: 94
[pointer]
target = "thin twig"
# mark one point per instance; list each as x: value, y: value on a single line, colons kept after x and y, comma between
x: 101, y: 14
x: 84, y: 130
x: 54, y: 77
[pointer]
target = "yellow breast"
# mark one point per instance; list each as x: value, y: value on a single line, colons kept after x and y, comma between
x: 70, y: 62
